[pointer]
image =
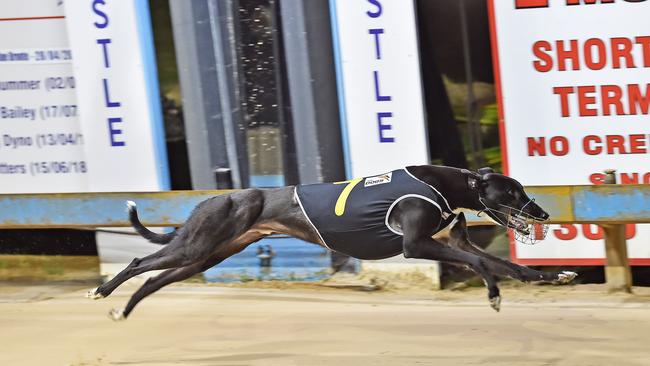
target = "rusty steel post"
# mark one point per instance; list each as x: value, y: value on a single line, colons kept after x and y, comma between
x: 618, y: 275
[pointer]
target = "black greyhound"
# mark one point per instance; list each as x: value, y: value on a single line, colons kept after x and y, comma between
x: 408, y: 207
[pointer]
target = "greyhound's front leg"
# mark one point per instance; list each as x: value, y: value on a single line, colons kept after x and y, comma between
x: 458, y: 238
x: 427, y: 248
x: 515, y: 271
x: 418, y: 219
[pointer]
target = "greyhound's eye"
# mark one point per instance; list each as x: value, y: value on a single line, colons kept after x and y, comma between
x: 511, y: 192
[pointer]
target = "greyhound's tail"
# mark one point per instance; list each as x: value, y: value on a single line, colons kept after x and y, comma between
x: 142, y: 230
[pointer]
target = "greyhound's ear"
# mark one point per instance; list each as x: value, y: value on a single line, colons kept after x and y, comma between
x: 459, y: 228
x: 485, y: 170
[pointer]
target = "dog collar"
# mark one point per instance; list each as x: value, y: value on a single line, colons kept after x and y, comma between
x: 472, y: 179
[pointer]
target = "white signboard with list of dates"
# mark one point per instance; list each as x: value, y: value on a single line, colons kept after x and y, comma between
x: 41, y: 146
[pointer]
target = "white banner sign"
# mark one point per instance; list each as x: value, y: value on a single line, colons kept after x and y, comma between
x: 574, y: 89
x: 380, y: 89
x: 117, y: 94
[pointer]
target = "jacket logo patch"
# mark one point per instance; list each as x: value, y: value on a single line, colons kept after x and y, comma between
x: 377, y: 180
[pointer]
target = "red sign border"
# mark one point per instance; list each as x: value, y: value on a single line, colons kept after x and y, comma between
x: 504, y: 161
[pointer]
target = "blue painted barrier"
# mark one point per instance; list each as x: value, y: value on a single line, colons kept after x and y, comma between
x: 611, y: 204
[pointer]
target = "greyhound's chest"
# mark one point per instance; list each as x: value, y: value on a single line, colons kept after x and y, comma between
x: 351, y: 217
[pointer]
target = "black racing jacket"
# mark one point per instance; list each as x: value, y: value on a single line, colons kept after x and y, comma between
x: 351, y: 217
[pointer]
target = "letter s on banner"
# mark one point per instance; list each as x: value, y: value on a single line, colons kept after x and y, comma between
x: 377, y: 12
x: 103, y: 15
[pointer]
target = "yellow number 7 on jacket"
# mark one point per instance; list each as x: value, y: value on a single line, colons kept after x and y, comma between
x: 339, y: 208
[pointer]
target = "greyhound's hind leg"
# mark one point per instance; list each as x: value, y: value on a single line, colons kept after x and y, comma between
x: 162, y: 259
x: 154, y: 284
x: 215, y: 222
x: 179, y: 274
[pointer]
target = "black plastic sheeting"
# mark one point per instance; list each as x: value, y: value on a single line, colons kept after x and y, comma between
x: 48, y: 242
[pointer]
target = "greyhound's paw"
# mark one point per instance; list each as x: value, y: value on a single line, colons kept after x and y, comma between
x: 565, y: 277
x: 495, y: 303
x: 116, y: 315
x: 94, y: 295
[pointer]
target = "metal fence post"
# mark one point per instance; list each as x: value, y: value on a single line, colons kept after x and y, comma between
x: 617, y: 267
x: 223, y: 178
x: 208, y: 68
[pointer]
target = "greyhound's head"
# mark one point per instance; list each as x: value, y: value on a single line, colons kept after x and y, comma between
x: 505, y: 202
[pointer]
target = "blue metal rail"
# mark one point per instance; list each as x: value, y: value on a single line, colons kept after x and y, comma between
x: 610, y: 204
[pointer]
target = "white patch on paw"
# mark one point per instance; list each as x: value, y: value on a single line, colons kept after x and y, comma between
x: 495, y: 303
x: 116, y: 315
x: 94, y: 295
x: 565, y: 277
x: 130, y: 205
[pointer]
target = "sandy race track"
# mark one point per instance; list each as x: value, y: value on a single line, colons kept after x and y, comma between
x: 195, y: 324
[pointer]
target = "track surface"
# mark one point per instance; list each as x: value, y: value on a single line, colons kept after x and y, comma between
x: 210, y: 325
